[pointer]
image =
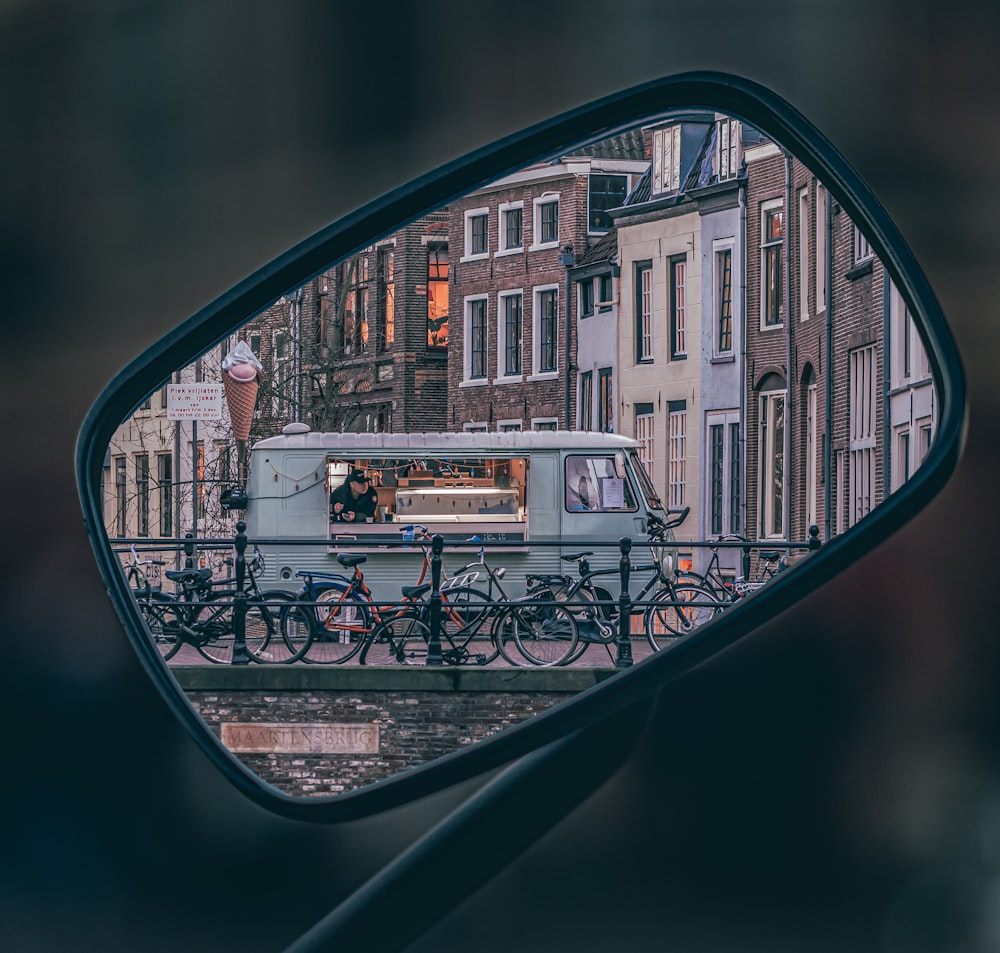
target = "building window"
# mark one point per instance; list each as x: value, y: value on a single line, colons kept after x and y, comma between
x: 678, y: 308
x: 862, y: 248
x: 121, y: 497
x: 804, y: 261
x: 510, y: 310
x: 605, y: 294
x: 142, y: 494
x: 723, y: 473
x: 772, y: 243
x: 437, y: 296
x: 728, y: 140
x: 165, y: 486
x: 586, y: 418
x: 666, y: 160
x: 475, y: 426
x: 508, y: 426
x: 676, y: 452
x: 546, y: 327
x: 477, y: 242
x: 586, y: 296
x: 387, y: 298
x: 822, y: 261
x: 546, y: 224
x: 544, y: 423
x: 644, y: 428
x: 771, y: 448
x: 475, y: 339
x: 605, y: 401
x: 724, y: 301
x: 863, y: 413
x: 354, y: 330
x: 281, y: 364
x: 812, y: 481
x: 222, y: 467
x: 900, y: 457
x: 198, y: 455
x: 606, y: 192
x: 643, y: 311
x: 510, y: 218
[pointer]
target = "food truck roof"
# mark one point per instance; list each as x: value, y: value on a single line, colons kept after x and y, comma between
x: 300, y: 437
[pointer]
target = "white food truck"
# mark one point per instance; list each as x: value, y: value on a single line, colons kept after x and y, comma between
x: 571, y: 488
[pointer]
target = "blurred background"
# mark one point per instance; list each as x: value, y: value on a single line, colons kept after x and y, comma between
x: 833, y: 783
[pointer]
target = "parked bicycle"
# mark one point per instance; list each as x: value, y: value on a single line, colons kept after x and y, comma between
x: 337, y: 616
x: 200, y: 614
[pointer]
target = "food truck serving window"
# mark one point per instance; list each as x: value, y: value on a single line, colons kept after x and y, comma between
x: 432, y: 490
x: 598, y: 484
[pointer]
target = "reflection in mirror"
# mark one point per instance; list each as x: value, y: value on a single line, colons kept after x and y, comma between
x: 673, y: 336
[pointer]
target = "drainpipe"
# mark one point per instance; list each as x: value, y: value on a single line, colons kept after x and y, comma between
x: 567, y: 259
x: 828, y: 374
x: 786, y: 490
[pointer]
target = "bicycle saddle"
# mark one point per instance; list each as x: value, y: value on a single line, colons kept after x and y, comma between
x: 576, y: 556
x: 415, y: 592
x: 769, y: 555
x: 188, y: 577
x: 351, y: 559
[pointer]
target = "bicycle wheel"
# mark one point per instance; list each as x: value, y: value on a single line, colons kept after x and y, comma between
x: 399, y: 641
x: 676, y: 612
x: 163, y: 624
x: 213, y: 629
x: 543, y: 634
x: 298, y: 624
x: 466, y: 634
x: 264, y: 636
x: 342, y: 622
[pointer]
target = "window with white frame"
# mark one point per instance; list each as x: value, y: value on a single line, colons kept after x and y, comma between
x: 771, y: 452
x: 586, y: 414
x: 437, y: 295
x: 545, y: 329
x: 281, y: 365
x: 804, y: 259
x: 724, y: 301
x: 723, y: 476
x: 728, y: 141
x: 840, y: 523
x: 546, y: 221
x: 165, y: 487
x: 477, y: 239
x: 585, y: 297
x: 142, y: 494
x: 121, y: 497
x: 475, y: 338
x: 544, y: 423
x: 908, y: 362
x: 863, y: 419
x: 666, y: 160
x: 862, y: 248
x: 678, y: 307
x: 645, y: 423
x: 475, y: 426
x: 509, y: 334
x: 676, y: 452
x: 811, y: 450
x: 822, y: 249
x: 643, y: 311
x: 605, y: 293
x: 606, y: 192
x: 605, y: 400
x: 509, y: 426
x: 901, y: 455
x: 772, y: 242
x: 510, y: 227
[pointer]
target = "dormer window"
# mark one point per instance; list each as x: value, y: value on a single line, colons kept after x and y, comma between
x: 666, y: 160
x: 727, y: 150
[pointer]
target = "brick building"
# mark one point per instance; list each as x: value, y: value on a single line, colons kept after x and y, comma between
x: 512, y: 299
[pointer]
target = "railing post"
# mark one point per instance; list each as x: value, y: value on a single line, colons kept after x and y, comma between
x: 746, y: 562
x: 814, y: 540
x: 240, y: 656
x: 624, y: 659
x: 434, y: 640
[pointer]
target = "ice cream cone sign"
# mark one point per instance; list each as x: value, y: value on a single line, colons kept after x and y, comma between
x: 240, y: 379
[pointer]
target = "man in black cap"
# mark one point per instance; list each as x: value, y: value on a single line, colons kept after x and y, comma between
x: 354, y: 499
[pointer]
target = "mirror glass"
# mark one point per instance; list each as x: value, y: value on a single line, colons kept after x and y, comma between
x: 673, y: 336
